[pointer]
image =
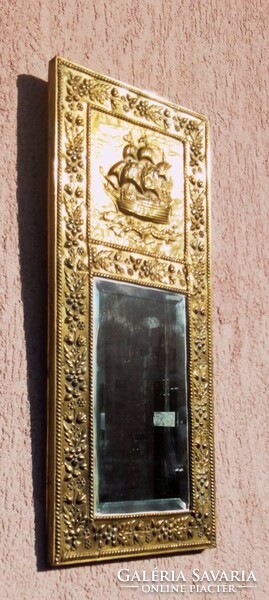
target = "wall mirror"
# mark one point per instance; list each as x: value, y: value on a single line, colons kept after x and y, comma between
x: 130, y: 446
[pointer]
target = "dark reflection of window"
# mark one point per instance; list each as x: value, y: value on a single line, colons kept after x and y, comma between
x: 140, y: 394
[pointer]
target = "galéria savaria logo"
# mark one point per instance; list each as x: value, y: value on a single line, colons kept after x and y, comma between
x: 176, y: 582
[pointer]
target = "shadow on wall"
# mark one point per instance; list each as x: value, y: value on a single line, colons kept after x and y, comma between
x: 32, y: 125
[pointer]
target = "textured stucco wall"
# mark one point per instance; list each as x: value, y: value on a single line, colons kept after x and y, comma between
x: 210, y: 56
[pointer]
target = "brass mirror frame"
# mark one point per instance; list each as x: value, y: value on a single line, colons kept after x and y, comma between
x: 75, y: 534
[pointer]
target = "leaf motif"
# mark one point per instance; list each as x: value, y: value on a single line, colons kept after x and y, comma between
x: 68, y: 354
x: 80, y: 517
x: 68, y: 499
x: 99, y: 92
x: 79, y: 138
x: 81, y: 498
x: 138, y: 539
x: 67, y: 202
x: 154, y: 114
x: 69, y: 389
x: 80, y: 360
x: 83, y: 466
x: 67, y: 131
x: 81, y: 417
x: 80, y: 284
x: 119, y: 269
x: 69, y: 438
x: 82, y: 438
x: 69, y: 279
x: 68, y: 517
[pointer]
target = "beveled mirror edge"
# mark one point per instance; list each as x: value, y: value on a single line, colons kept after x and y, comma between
x: 57, y: 556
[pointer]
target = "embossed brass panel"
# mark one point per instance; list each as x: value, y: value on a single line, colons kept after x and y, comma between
x: 129, y: 240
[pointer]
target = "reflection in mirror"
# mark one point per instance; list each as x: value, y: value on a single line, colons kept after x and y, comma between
x: 140, y: 399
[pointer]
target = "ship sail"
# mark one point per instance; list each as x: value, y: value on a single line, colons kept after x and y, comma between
x: 132, y: 174
x: 139, y: 181
x: 114, y: 174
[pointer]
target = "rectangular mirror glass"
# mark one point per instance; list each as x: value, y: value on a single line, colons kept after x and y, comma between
x: 140, y: 399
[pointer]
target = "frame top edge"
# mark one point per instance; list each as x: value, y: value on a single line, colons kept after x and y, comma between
x: 61, y: 61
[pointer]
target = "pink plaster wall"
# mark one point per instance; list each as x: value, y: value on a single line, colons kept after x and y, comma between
x: 208, y: 55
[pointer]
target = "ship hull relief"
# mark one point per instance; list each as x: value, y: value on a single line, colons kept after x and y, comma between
x: 139, y: 207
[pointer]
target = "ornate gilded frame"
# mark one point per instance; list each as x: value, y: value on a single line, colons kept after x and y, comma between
x: 76, y: 254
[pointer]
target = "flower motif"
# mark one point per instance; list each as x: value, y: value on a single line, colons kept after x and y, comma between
x: 145, y: 269
x: 72, y: 404
x: 74, y: 152
x: 81, y: 482
x: 73, y: 394
x: 190, y: 127
x: 200, y: 341
x: 88, y: 538
x: 81, y: 341
x: 75, y: 376
x: 142, y: 108
x: 179, y: 122
x: 70, y: 485
x: 163, y: 530
x: 132, y: 100
x: 201, y: 441
x: 197, y: 212
x: 83, y: 88
x: 74, y: 225
x: 76, y: 302
x: 109, y: 535
x: 75, y: 461
x: 81, y: 402
x: 202, y: 481
x: 74, y: 160
x: 71, y: 538
x: 201, y: 412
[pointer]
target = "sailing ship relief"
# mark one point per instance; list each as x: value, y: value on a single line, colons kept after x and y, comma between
x: 139, y: 184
